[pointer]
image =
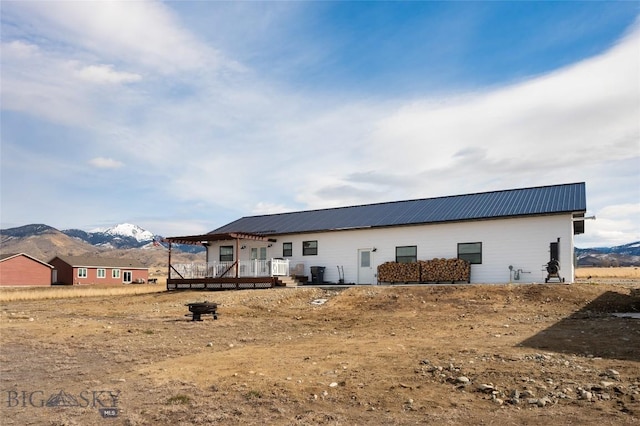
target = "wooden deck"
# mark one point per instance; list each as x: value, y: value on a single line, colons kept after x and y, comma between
x: 239, y: 283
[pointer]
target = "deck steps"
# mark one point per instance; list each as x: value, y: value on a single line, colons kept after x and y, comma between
x: 288, y: 281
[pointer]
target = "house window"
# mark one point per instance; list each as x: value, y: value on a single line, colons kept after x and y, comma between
x: 309, y: 248
x: 365, y: 258
x: 287, y: 249
x: 226, y: 253
x: 101, y: 273
x: 407, y: 254
x: 82, y: 272
x: 471, y: 252
x: 115, y: 273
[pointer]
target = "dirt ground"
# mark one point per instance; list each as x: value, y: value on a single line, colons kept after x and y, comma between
x: 388, y: 355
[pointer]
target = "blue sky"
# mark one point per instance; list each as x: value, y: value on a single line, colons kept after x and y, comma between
x: 183, y: 116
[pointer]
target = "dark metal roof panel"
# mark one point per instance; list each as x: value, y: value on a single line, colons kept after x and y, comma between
x: 488, y: 205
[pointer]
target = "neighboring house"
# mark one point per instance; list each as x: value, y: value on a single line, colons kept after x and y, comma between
x: 97, y: 270
x: 507, y: 236
x: 23, y: 270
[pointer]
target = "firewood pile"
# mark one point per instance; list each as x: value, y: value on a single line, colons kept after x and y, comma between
x: 435, y: 270
x: 445, y: 270
x: 392, y: 272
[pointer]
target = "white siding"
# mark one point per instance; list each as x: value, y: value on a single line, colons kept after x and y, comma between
x: 520, y: 242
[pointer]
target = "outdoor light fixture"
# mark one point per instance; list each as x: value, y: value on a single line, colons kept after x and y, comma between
x: 243, y: 247
x: 374, y: 249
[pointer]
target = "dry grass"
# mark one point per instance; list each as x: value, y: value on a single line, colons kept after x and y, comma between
x: 623, y: 272
x: 65, y: 292
x: 12, y: 294
x: 369, y: 355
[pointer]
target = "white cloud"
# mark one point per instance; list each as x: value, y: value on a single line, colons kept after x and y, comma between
x: 106, y: 163
x: 19, y: 48
x: 104, y: 74
x: 177, y: 227
x: 77, y: 47
x: 549, y: 129
x: 591, y: 104
x: 140, y: 32
x: 614, y: 225
x: 269, y: 208
x: 58, y: 89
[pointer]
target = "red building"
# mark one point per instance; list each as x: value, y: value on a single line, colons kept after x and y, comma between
x: 23, y: 270
x: 79, y: 270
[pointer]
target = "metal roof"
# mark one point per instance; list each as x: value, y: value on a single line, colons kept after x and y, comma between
x: 542, y: 200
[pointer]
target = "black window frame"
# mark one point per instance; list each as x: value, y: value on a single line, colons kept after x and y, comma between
x: 226, y: 257
x: 407, y: 259
x: 310, y: 248
x: 287, y: 249
x: 473, y: 257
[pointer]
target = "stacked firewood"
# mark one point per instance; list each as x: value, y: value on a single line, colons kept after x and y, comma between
x: 392, y: 272
x: 435, y: 270
x: 445, y: 270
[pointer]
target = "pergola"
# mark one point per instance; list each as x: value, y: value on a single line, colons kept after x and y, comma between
x: 204, y: 240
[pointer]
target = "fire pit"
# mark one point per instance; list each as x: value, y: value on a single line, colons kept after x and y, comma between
x: 199, y: 308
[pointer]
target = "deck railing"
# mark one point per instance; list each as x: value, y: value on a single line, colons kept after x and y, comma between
x: 246, y: 268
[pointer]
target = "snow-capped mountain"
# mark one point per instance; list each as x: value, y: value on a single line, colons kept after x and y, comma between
x: 124, y: 236
x: 121, y: 236
x: 127, y: 230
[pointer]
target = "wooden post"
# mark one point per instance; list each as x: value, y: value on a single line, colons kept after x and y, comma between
x: 169, y: 265
x: 237, y: 255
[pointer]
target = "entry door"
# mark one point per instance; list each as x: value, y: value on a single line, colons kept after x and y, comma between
x: 259, y: 253
x: 365, y: 267
x: 259, y: 268
x: 126, y: 277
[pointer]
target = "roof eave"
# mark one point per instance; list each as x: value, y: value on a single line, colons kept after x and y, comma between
x: 435, y: 222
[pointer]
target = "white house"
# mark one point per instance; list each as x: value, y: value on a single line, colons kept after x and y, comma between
x: 507, y: 236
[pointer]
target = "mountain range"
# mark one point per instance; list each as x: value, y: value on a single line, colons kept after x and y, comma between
x: 624, y: 255
x: 125, y: 240
x: 122, y: 236
x: 45, y: 242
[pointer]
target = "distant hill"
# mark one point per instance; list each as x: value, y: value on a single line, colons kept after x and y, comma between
x: 624, y: 255
x: 42, y: 242
x: 45, y: 242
